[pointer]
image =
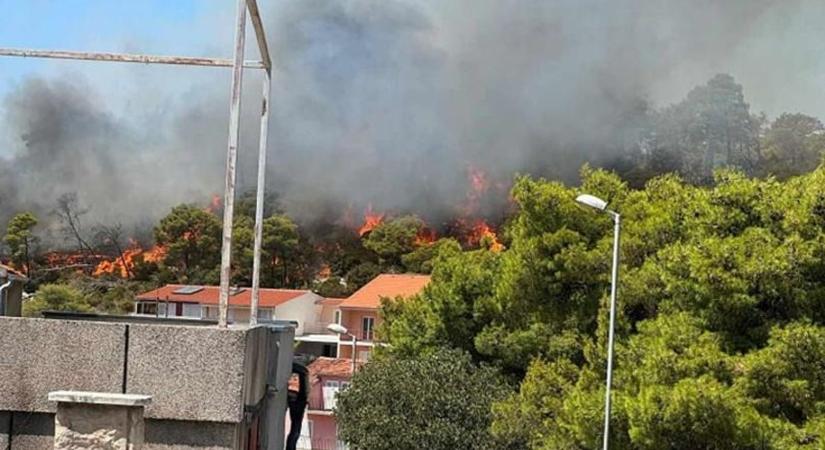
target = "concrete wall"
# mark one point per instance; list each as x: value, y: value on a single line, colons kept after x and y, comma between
x: 192, y: 373
x: 40, y: 355
x: 13, y: 302
x: 208, y: 384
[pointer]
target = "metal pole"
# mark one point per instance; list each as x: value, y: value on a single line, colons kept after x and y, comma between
x: 231, y: 160
x: 354, y: 349
x: 259, y: 201
x: 128, y: 58
x: 613, y: 289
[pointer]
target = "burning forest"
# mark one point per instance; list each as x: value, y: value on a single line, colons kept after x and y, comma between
x: 339, y: 253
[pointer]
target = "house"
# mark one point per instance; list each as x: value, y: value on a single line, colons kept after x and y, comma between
x: 201, y: 302
x: 359, y: 312
x: 11, y: 291
x: 317, y: 340
x: 327, y: 376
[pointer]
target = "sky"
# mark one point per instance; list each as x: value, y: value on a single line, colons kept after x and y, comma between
x: 154, y: 25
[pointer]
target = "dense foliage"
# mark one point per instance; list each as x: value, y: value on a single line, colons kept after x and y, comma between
x: 721, y: 343
x: 437, y: 401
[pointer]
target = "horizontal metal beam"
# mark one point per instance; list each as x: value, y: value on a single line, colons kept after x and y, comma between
x: 128, y: 58
x: 257, y: 23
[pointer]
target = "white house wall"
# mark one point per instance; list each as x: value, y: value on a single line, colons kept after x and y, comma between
x: 301, y: 309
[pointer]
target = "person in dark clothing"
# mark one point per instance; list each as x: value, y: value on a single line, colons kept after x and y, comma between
x: 297, y: 405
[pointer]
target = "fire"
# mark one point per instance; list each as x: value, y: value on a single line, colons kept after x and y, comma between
x: 215, y: 204
x: 123, y: 265
x: 425, y: 236
x: 481, y: 234
x: 371, y: 220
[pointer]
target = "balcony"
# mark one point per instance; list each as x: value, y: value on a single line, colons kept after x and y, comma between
x: 316, y: 328
x: 362, y: 334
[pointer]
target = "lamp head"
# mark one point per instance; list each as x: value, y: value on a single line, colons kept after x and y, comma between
x: 591, y: 201
x: 337, y: 329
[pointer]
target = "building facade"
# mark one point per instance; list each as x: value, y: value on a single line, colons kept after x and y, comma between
x: 201, y: 302
x: 359, y: 315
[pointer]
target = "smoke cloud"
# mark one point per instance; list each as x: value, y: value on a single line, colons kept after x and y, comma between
x: 387, y: 102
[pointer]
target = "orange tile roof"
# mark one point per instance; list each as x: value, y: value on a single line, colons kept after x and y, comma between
x: 326, y: 367
x: 269, y: 298
x: 13, y: 271
x: 331, y: 301
x: 385, y: 285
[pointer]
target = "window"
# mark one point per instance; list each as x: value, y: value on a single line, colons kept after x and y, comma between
x: 147, y: 308
x: 330, y: 393
x: 344, y: 385
x: 367, y: 326
x: 265, y: 314
x: 337, y: 316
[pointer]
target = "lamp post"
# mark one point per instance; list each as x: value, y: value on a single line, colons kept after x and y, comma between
x: 342, y: 330
x: 601, y: 205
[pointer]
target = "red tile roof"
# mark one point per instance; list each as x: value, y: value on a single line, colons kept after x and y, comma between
x: 326, y: 367
x: 13, y: 271
x: 209, y: 296
x: 332, y: 301
x: 385, y: 285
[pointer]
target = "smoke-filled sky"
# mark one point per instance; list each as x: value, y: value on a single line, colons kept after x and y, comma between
x: 374, y: 101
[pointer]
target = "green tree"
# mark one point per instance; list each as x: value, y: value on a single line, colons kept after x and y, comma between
x: 438, y: 401
x: 719, y: 325
x: 243, y: 241
x: 280, y: 248
x: 392, y: 239
x: 192, y: 238
x: 56, y: 297
x: 793, y: 145
x: 421, y: 259
x: 711, y: 127
x: 21, y: 240
x: 361, y: 275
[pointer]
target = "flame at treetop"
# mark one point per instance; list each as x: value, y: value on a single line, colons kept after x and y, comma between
x: 425, y: 236
x: 481, y: 234
x: 215, y: 204
x: 122, y: 265
x: 371, y: 220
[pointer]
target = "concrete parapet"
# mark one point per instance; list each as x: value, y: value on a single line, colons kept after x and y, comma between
x: 39, y: 355
x: 98, y: 420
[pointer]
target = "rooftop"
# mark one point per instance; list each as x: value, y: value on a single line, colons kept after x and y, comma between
x: 385, y: 285
x: 208, y: 295
x: 11, y: 270
x: 326, y: 367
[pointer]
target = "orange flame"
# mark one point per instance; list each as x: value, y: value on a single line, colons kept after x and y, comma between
x: 123, y: 265
x: 482, y: 235
x: 371, y: 220
x: 425, y: 236
x: 215, y: 204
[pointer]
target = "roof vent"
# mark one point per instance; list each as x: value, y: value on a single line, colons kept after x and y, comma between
x: 187, y: 290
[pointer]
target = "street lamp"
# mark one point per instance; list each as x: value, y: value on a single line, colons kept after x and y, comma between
x: 342, y: 330
x: 601, y: 205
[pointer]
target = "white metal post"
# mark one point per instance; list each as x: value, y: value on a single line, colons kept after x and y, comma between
x: 231, y: 160
x: 354, y: 349
x: 613, y: 290
x: 259, y: 205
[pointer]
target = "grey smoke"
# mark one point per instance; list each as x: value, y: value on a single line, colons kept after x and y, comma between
x: 390, y: 102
